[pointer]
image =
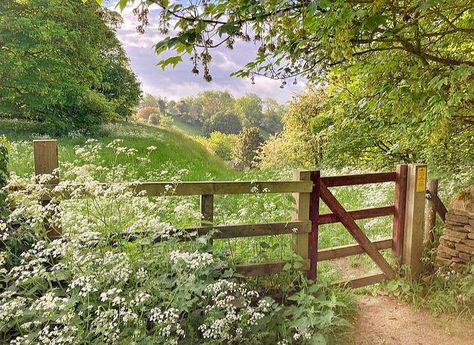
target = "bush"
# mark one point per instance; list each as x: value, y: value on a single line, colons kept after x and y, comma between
x: 246, y: 148
x: 166, y: 121
x: 222, y: 144
x: 223, y: 122
x: 143, y: 114
x: 154, y: 120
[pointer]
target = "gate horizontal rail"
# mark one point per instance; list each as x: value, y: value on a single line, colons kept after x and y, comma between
x: 307, y: 187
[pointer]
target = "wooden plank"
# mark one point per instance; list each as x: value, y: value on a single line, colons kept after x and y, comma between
x: 261, y: 269
x: 253, y: 230
x: 355, y: 230
x: 46, y: 160
x: 301, y: 213
x: 363, y: 281
x: 414, y: 218
x: 314, y: 218
x: 224, y: 187
x: 400, y: 205
x: 207, y: 209
x: 350, y: 249
x: 202, y: 188
x: 349, y: 180
x: 441, y: 210
x: 330, y: 218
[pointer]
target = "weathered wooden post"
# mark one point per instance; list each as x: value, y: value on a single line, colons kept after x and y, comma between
x: 314, y: 218
x: 430, y: 221
x: 414, y: 218
x: 46, y: 159
x: 400, y: 207
x: 207, y: 209
x: 302, y: 213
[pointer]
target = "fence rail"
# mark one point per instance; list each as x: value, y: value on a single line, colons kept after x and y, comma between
x: 308, y: 188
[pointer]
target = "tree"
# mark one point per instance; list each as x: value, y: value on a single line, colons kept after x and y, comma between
x: 144, y: 113
x: 62, y: 63
x: 272, y: 116
x: 223, y: 122
x: 213, y: 102
x: 246, y: 147
x: 149, y: 100
x: 249, y: 108
x: 400, y: 72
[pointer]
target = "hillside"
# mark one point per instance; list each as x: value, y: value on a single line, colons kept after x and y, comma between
x: 174, y: 148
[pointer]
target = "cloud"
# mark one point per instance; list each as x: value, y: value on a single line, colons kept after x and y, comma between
x: 180, y: 82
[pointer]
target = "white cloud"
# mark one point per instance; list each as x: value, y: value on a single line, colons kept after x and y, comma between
x: 180, y: 82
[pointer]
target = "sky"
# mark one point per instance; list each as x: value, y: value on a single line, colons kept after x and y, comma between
x: 174, y: 83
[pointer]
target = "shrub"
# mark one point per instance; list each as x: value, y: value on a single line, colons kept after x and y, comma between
x: 154, y: 120
x: 223, y: 122
x: 246, y: 147
x: 143, y: 114
x: 166, y: 121
x: 222, y: 144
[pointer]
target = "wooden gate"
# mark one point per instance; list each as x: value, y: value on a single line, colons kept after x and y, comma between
x: 407, y: 211
x: 308, y: 188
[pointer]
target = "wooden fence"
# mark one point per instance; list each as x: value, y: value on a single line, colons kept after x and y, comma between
x: 308, y: 188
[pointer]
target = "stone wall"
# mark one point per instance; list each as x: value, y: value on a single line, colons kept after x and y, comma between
x: 456, y: 245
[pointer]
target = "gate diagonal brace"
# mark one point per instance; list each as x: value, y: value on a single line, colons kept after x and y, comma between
x: 356, y: 232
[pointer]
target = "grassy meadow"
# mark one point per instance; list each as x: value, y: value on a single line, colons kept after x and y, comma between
x: 175, y: 155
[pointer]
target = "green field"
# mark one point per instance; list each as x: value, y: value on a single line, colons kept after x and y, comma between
x: 174, y: 148
x: 177, y: 150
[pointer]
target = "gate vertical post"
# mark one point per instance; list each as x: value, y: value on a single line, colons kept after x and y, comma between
x: 302, y: 200
x: 414, y: 218
x: 314, y: 218
x: 400, y: 206
x: 45, y: 153
x: 430, y: 222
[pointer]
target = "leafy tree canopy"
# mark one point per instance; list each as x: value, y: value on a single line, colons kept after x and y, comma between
x: 62, y: 63
x: 397, y: 74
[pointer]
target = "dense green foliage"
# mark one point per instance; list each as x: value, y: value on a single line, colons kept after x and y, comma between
x: 227, y: 123
x: 208, y: 108
x: 395, y: 77
x: 62, y: 64
x: 246, y: 147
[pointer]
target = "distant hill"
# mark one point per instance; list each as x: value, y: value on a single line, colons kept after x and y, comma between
x: 174, y: 148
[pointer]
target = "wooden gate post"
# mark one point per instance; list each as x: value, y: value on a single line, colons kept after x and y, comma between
x: 414, y: 218
x: 400, y: 208
x: 301, y: 240
x: 430, y: 222
x: 45, y: 154
x: 46, y: 157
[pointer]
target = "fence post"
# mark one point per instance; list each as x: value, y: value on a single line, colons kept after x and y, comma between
x: 207, y: 209
x: 414, y: 218
x: 432, y: 190
x: 314, y: 218
x: 400, y: 207
x: 301, y: 240
x: 45, y: 154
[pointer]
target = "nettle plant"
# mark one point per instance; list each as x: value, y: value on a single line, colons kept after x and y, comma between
x: 122, y: 274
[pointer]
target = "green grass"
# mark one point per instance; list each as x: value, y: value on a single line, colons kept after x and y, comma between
x: 174, y: 149
x: 187, y: 128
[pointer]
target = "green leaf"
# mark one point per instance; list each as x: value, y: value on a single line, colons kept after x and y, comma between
x: 174, y: 60
x: 228, y: 28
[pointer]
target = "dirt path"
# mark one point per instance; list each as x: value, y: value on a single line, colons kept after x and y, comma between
x: 384, y: 321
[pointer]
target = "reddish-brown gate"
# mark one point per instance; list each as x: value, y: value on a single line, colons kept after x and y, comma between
x: 321, y: 191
